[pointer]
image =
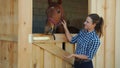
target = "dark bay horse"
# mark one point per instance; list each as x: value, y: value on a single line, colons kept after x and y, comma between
x: 55, y: 14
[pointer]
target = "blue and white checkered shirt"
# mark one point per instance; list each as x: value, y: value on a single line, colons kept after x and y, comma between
x: 87, y: 43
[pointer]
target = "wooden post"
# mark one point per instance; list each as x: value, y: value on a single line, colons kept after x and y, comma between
x: 25, y: 28
x: 99, y: 62
x: 117, y: 35
x: 92, y: 5
x: 110, y: 34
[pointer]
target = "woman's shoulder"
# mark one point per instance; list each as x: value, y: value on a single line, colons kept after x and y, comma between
x: 95, y: 38
x: 82, y: 30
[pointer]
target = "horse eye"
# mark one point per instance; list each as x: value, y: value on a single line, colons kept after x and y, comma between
x: 52, y: 7
x: 58, y: 11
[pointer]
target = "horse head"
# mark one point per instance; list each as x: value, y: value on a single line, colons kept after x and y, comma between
x: 54, y: 16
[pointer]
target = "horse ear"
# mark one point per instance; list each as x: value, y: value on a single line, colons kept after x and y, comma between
x: 49, y: 2
x: 59, y: 1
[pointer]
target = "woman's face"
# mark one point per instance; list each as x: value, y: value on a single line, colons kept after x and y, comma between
x: 88, y: 24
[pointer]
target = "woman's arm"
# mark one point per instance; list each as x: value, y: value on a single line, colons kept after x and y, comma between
x: 77, y: 56
x: 67, y: 33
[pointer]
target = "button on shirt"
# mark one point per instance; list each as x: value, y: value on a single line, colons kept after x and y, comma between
x: 87, y: 43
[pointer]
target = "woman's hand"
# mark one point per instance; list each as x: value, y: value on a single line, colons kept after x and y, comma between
x: 70, y: 56
x: 76, y: 56
x: 67, y: 33
x: 64, y: 24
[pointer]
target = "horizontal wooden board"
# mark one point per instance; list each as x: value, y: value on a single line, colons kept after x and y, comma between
x: 58, y: 37
x: 9, y: 38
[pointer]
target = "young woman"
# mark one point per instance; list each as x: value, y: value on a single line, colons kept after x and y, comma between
x: 87, y: 40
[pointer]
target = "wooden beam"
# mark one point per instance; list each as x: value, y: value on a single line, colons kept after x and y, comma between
x: 25, y: 28
x: 117, y: 35
x: 92, y: 6
x: 59, y: 37
x: 110, y: 34
x: 9, y: 38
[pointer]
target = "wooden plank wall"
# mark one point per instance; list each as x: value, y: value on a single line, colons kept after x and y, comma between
x: 108, y: 53
x: 8, y: 33
x: 8, y: 54
x: 8, y: 20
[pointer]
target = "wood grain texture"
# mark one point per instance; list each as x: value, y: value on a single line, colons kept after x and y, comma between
x: 24, y: 29
x: 55, y: 50
x: 110, y: 34
x: 8, y: 54
x: 37, y: 57
x: 117, y: 35
x: 8, y: 20
x: 100, y: 63
x: 105, y: 57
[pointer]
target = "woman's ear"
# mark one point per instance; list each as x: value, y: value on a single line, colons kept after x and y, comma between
x: 59, y: 2
x: 49, y: 2
x: 94, y: 24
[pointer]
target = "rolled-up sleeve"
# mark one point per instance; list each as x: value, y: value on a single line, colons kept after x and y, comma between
x: 93, y: 49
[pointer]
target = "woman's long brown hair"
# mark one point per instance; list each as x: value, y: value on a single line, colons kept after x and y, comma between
x: 96, y: 19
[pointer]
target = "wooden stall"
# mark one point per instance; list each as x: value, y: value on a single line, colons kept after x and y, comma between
x: 49, y: 53
x: 20, y: 49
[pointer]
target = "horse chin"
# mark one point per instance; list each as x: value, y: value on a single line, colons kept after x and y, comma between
x: 49, y: 28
